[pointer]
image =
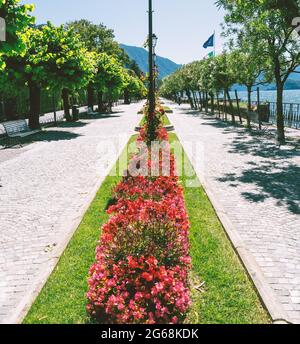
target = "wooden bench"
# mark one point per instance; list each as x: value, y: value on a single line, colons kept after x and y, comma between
x: 18, y: 129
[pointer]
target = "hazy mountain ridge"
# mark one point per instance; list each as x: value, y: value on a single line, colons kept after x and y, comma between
x: 140, y: 56
x: 167, y: 67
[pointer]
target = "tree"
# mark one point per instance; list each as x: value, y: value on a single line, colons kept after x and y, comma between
x: 171, y: 87
x: 17, y: 18
x: 132, y: 65
x: 224, y: 77
x: 54, y: 59
x: 248, y: 70
x: 267, y: 26
x: 185, y: 81
x: 98, y: 38
x: 134, y: 87
x: 109, y: 80
x: 207, y: 80
x: 192, y: 73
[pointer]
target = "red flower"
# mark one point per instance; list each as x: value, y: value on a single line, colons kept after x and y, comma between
x: 132, y: 263
x: 148, y: 277
x: 142, y: 261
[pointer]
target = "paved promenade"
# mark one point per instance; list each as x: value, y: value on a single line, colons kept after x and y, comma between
x: 44, y: 189
x: 258, y: 187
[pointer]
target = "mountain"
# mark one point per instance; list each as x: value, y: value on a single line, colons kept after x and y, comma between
x: 293, y: 83
x: 140, y: 56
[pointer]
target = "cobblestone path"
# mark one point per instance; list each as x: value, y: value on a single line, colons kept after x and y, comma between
x: 43, y: 187
x: 258, y: 186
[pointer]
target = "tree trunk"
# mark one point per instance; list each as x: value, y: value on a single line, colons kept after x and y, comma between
x: 212, y: 104
x: 203, y: 100
x: 218, y: 104
x: 175, y: 98
x: 249, y: 91
x: 206, y: 102
x: 126, y: 97
x: 200, y: 100
x: 110, y: 106
x: 225, y: 106
x: 238, y: 107
x: 280, y: 114
x: 188, y: 93
x: 9, y: 109
x: 195, y: 100
x: 231, y: 106
x: 35, y: 105
x: 90, y: 93
x: 100, y: 102
x: 66, y: 101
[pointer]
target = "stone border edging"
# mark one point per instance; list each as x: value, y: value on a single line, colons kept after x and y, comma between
x: 169, y: 128
x: 40, y: 280
x: 265, y: 292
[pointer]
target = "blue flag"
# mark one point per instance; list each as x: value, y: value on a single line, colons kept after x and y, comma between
x: 210, y: 42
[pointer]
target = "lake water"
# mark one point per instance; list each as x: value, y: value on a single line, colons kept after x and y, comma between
x: 290, y: 96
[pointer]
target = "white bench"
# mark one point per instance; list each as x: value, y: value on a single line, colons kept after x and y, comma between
x: 18, y: 129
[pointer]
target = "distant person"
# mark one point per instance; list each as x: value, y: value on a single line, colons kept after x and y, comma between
x: 179, y: 101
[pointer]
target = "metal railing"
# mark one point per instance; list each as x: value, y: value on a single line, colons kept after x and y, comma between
x: 291, y: 113
x: 50, y: 118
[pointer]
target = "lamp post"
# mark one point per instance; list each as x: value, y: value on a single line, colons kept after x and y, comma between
x: 151, y: 91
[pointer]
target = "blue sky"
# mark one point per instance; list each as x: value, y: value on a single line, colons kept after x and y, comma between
x: 181, y: 25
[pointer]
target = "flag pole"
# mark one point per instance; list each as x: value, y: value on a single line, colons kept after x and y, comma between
x: 215, y: 43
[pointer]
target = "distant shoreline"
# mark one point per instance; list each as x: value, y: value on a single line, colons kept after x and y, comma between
x: 263, y: 90
x: 289, y: 95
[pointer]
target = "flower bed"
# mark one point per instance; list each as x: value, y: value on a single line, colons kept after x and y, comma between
x: 142, y: 261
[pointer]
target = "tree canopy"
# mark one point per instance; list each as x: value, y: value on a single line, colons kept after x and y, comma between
x: 17, y: 18
x: 98, y: 38
x: 110, y: 76
x: 56, y: 57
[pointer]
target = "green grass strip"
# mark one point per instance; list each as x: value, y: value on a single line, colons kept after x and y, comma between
x: 228, y: 295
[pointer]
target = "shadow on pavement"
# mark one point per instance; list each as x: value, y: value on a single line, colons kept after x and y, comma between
x: 53, y: 135
x: 280, y: 182
x: 276, y: 176
x: 69, y: 125
x: 44, y: 136
x: 100, y: 116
